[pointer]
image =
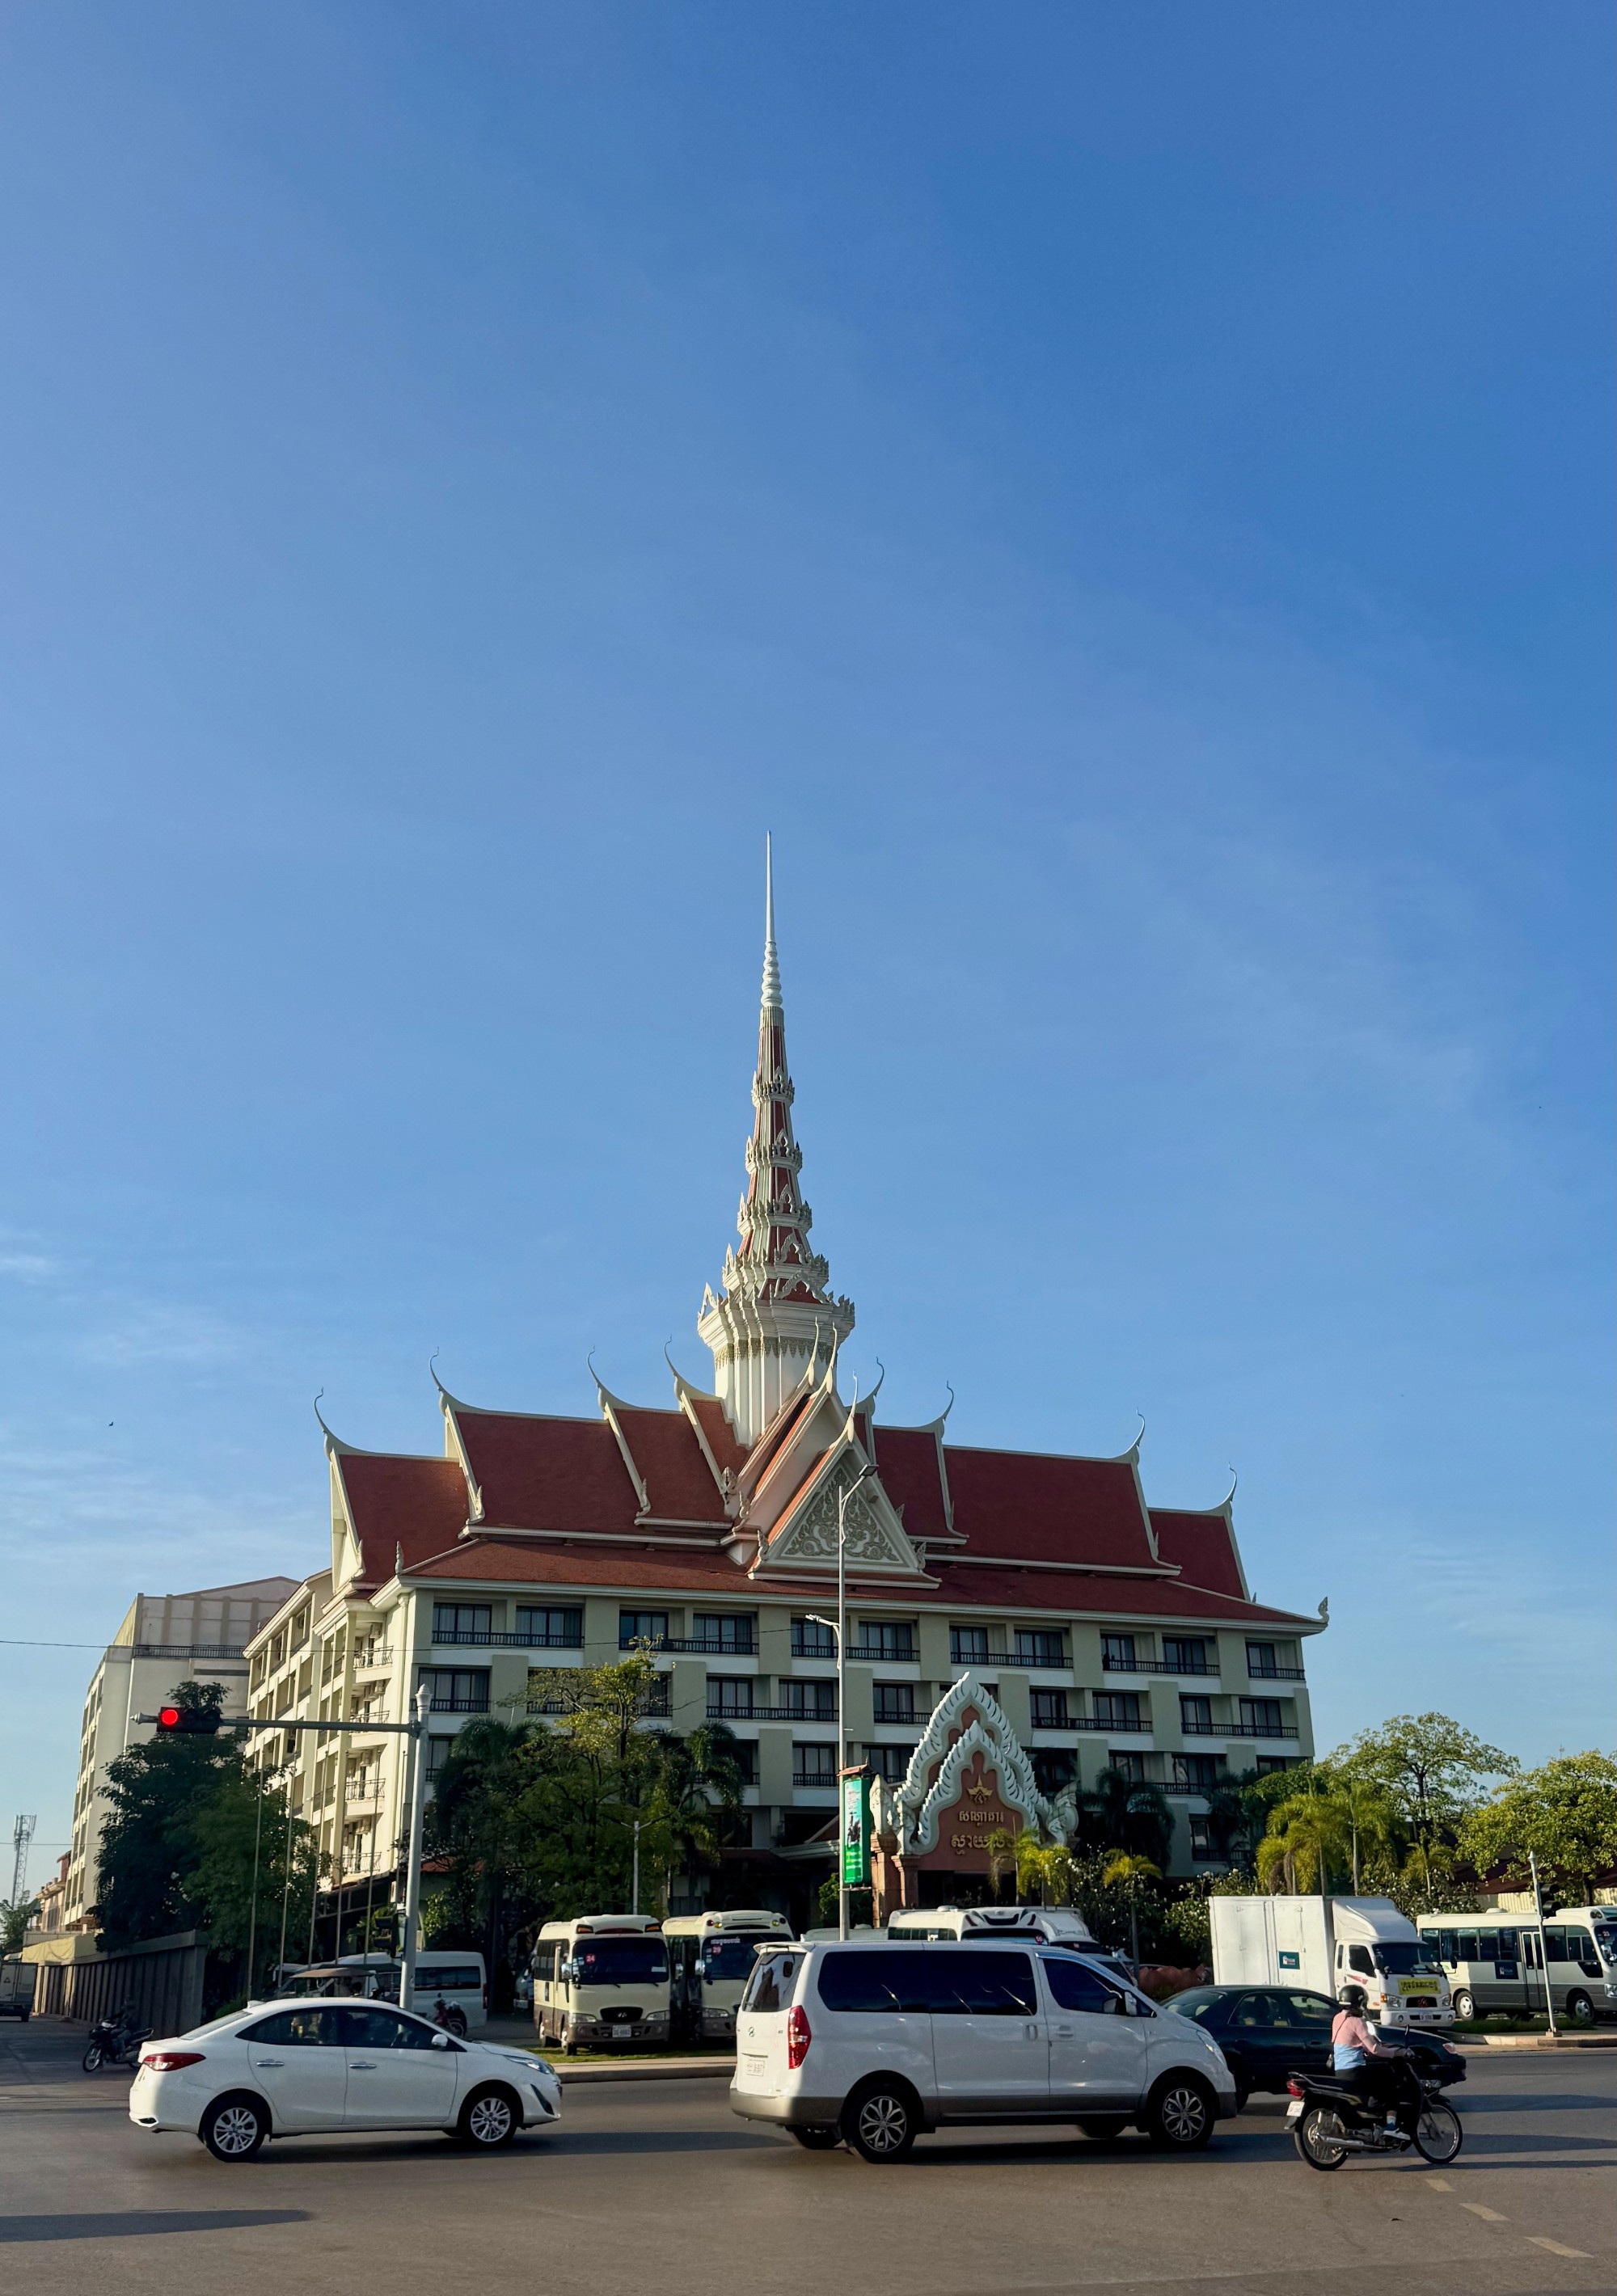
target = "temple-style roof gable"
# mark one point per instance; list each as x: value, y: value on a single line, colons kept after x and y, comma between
x: 968, y: 1733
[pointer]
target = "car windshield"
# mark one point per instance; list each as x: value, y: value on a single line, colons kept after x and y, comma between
x: 621, y: 1961
x: 1395, y: 1958
x: 1197, y: 2003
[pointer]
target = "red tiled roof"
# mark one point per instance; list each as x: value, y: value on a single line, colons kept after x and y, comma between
x: 1203, y: 1546
x: 1047, y: 1509
x: 720, y: 1434
x: 547, y: 1474
x: 678, y: 1480
x: 524, y: 1565
x: 393, y: 1502
x: 962, y: 1587
x: 907, y: 1463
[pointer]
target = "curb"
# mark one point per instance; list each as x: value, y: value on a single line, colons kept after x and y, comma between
x: 1541, y: 2041
x: 665, y: 2068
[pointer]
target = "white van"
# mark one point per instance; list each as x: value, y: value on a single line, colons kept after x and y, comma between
x: 1492, y: 1962
x: 711, y: 1958
x: 460, y: 1980
x: 602, y: 1979
x: 873, y: 2043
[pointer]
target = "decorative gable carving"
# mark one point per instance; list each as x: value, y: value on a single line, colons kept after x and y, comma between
x: 965, y: 1723
x: 806, y: 1539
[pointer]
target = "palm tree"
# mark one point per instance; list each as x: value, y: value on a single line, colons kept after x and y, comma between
x: 1125, y: 1814
x: 699, y: 1785
x: 1304, y: 1834
x: 1133, y: 1871
x: 1045, y: 1866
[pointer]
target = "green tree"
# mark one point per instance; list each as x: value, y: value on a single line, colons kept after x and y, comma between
x: 149, y: 1849
x: 1122, y: 1813
x: 1432, y: 1772
x: 1306, y: 1834
x: 1564, y: 1813
x: 15, y: 1914
x: 256, y: 1869
x: 1129, y: 1872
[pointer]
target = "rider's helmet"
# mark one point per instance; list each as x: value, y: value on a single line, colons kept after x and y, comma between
x: 1354, y: 2000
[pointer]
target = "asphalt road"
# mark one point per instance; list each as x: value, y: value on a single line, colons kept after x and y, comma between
x: 655, y: 2189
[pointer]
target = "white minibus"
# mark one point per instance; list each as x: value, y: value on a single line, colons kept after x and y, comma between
x: 711, y: 1958
x: 1492, y: 1962
x: 601, y: 1981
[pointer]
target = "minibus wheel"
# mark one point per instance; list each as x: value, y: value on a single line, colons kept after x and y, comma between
x: 1465, y: 2008
x: 1580, y: 2008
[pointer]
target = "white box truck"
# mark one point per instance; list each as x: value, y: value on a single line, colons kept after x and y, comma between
x: 1324, y: 1943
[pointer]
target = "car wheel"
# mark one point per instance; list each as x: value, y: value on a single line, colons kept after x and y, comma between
x: 489, y: 2119
x: 1179, y: 2118
x: 880, y: 2122
x: 818, y: 2140
x: 1580, y: 2009
x: 1465, y: 2008
x: 234, y: 2127
x: 1317, y: 2137
x: 1104, y: 2127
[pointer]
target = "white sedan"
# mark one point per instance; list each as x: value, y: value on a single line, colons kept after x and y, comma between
x: 300, y: 2068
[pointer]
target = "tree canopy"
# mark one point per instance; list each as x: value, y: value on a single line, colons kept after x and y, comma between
x: 1565, y: 1814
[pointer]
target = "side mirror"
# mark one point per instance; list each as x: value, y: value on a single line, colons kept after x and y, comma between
x: 440, y: 2040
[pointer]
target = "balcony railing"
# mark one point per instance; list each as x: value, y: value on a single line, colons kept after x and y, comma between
x: 1274, y: 1673
x: 708, y: 1646
x: 771, y: 1714
x: 1237, y: 1730
x: 1151, y: 1666
x: 824, y: 1780
x: 189, y: 1650
x: 1009, y: 1657
x: 906, y: 1657
x: 460, y: 1705
x: 458, y: 1637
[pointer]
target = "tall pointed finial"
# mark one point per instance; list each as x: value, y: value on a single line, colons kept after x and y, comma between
x: 772, y: 971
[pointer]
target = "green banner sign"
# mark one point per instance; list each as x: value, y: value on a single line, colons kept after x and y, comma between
x: 856, y: 1830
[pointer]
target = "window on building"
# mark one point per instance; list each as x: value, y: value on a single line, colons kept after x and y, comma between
x: 721, y: 1630
x: 1039, y: 1646
x: 1196, y: 1716
x: 1117, y: 1653
x: 457, y: 1689
x: 1185, y: 1654
x: 1128, y: 1765
x: 1050, y: 1709
x: 894, y: 1702
x: 1263, y: 1659
x: 730, y: 1695
x: 887, y: 1638
x: 438, y: 1749
x: 1196, y: 1772
x: 968, y: 1645
x: 1268, y: 1764
x: 814, y: 1766
x: 1117, y: 1709
x: 812, y: 1638
x: 889, y: 1762
x: 641, y: 1627
x: 809, y: 1702
x: 746, y: 1752
x: 1203, y: 1848
x: 1054, y: 1769
x: 462, y: 1622
x: 548, y: 1630
x: 1261, y: 1718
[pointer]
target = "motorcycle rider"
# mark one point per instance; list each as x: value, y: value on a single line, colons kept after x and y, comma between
x: 1354, y: 2047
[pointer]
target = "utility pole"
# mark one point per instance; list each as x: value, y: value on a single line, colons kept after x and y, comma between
x: 635, y: 1885
x: 1549, y: 1997
x: 412, y: 1890
x: 22, y: 1835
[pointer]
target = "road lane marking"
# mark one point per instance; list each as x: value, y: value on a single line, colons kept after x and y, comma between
x: 1488, y: 2215
x: 1436, y: 2185
x: 1555, y: 2248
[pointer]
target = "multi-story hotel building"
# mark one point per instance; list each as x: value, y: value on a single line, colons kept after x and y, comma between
x: 1112, y: 1633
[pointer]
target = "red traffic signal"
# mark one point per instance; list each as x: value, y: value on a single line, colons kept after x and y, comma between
x: 188, y: 1720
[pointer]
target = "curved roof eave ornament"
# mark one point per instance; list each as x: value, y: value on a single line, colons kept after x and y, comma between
x: 683, y: 1385
x: 1131, y: 1456
x: 1228, y: 1500
x: 335, y: 1447
x: 446, y: 1402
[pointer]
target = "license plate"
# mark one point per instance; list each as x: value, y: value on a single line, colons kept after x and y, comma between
x: 754, y: 2068
x: 1294, y: 2112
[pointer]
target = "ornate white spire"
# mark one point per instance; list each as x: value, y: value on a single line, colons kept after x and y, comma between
x: 775, y: 1305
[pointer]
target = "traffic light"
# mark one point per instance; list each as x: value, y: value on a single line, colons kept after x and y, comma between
x: 180, y: 1721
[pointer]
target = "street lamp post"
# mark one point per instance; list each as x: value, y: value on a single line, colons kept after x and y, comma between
x: 841, y: 1632
x: 411, y: 1901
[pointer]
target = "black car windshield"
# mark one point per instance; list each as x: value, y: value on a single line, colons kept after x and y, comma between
x: 621, y: 1961
x: 1393, y: 1959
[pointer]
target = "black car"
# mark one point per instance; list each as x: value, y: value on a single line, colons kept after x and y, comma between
x: 1266, y: 2031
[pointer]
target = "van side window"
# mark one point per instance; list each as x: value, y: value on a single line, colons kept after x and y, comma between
x: 963, y: 1981
x: 1074, y: 1987
x: 879, y: 1983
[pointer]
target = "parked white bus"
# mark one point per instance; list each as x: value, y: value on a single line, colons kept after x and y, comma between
x: 711, y: 1958
x: 1492, y: 1962
x: 602, y: 1980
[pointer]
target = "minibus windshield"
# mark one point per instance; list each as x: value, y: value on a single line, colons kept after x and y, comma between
x: 728, y: 1956
x: 621, y: 1961
x: 1606, y: 1938
x: 1395, y: 1958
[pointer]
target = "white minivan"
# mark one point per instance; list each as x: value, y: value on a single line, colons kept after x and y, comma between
x: 873, y: 2043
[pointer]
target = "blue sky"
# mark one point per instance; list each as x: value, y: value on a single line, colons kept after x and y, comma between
x: 1124, y: 494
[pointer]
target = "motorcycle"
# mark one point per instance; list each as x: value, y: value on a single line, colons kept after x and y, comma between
x: 115, y: 2041
x: 1331, y: 2117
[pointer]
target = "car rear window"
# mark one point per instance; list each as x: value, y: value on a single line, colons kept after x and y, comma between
x: 772, y: 1984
